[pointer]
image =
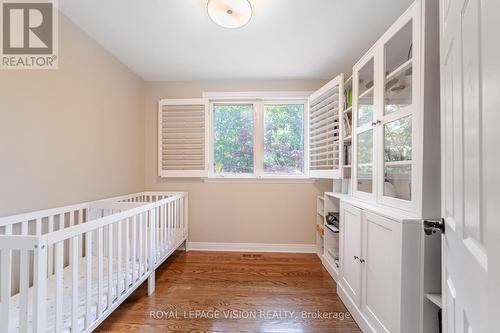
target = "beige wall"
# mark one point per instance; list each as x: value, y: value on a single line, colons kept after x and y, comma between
x: 235, y: 212
x: 88, y: 130
x: 72, y: 134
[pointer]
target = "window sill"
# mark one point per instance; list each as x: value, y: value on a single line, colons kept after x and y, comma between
x: 264, y: 180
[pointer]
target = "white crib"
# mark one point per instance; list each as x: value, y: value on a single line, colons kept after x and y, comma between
x: 66, y: 269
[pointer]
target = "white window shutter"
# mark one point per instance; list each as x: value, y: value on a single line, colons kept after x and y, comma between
x: 183, y: 138
x: 324, y: 128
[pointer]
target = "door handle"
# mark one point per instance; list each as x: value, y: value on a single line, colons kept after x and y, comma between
x: 432, y: 226
x: 362, y: 261
x: 356, y: 257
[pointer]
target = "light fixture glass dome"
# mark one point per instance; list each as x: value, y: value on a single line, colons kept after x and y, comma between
x: 230, y: 13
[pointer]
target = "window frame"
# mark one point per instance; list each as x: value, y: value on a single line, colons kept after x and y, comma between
x: 258, y: 101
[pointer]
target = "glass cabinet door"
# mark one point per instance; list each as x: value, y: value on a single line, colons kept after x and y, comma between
x: 397, y: 119
x: 364, y: 131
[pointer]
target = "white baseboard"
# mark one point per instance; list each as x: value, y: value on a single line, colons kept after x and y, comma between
x: 251, y: 247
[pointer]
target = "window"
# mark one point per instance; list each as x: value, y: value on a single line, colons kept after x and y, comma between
x: 284, y: 138
x: 258, y: 139
x: 233, y: 138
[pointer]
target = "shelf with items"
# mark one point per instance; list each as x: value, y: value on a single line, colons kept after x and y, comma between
x: 394, y: 91
x: 346, y: 126
x: 331, y: 238
x: 332, y: 228
x: 320, y: 224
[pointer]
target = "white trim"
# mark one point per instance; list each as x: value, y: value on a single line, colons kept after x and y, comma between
x: 258, y: 138
x: 268, y: 180
x: 251, y: 247
x: 256, y: 95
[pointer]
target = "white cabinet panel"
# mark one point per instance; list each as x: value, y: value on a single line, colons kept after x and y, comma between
x: 351, y: 236
x: 379, y: 264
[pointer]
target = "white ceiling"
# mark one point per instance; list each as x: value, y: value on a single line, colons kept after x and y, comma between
x: 167, y: 40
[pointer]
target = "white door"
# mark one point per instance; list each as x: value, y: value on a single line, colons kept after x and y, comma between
x: 351, y: 243
x: 380, y: 264
x: 470, y: 160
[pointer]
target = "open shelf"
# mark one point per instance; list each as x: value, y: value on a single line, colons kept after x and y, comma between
x: 348, y: 80
x: 366, y: 93
x: 406, y: 65
x: 435, y: 299
x: 332, y: 228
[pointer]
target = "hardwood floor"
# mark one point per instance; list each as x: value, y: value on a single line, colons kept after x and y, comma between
x: 235, y: 292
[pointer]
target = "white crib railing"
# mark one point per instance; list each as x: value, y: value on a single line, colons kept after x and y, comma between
x: 86, y: 259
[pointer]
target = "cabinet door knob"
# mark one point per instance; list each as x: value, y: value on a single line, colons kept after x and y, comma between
x: 356, y: 257
x: 362, y: 260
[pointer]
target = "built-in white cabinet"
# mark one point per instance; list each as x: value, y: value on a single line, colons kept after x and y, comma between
x: 350, y: 219
x: 377, y: 268
x: 380, y: 271
x: 395, y: 108
x: 389, y: 275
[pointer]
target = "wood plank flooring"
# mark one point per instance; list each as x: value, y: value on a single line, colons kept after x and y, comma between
x: 235, y: 292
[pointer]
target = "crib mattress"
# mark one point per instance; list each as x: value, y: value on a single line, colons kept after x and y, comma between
x: 67, y: 295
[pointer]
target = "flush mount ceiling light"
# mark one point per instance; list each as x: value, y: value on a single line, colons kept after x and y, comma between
x: 230, y: 13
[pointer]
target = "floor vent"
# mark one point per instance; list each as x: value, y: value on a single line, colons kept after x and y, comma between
x: 251, y: 256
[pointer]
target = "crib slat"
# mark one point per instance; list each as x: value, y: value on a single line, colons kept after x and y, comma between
x: 162, y: 228
x: 6, y: 256
x: 119, y: 277
x: 23, y: 283
x: 179, y: 229
x: 40, y: 289
x: 175, y: 223
x: 88, y: 279
x: 183, y: 221
x: 134, y: 249
x: 50, y: 228
x: 74, y: 289
x: 167, y: 217
x: 127, y: 253
x: 170, y: 224
x: 140, y: 245
x: 80, y: 237
x: 59, y: 248
x: 110, y: 265
x: 155, y: 239
x: 61, y: 221
x: 151, y: 243
x: 38, y: 226
x: 147, y: 242
x: 100, y: 272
